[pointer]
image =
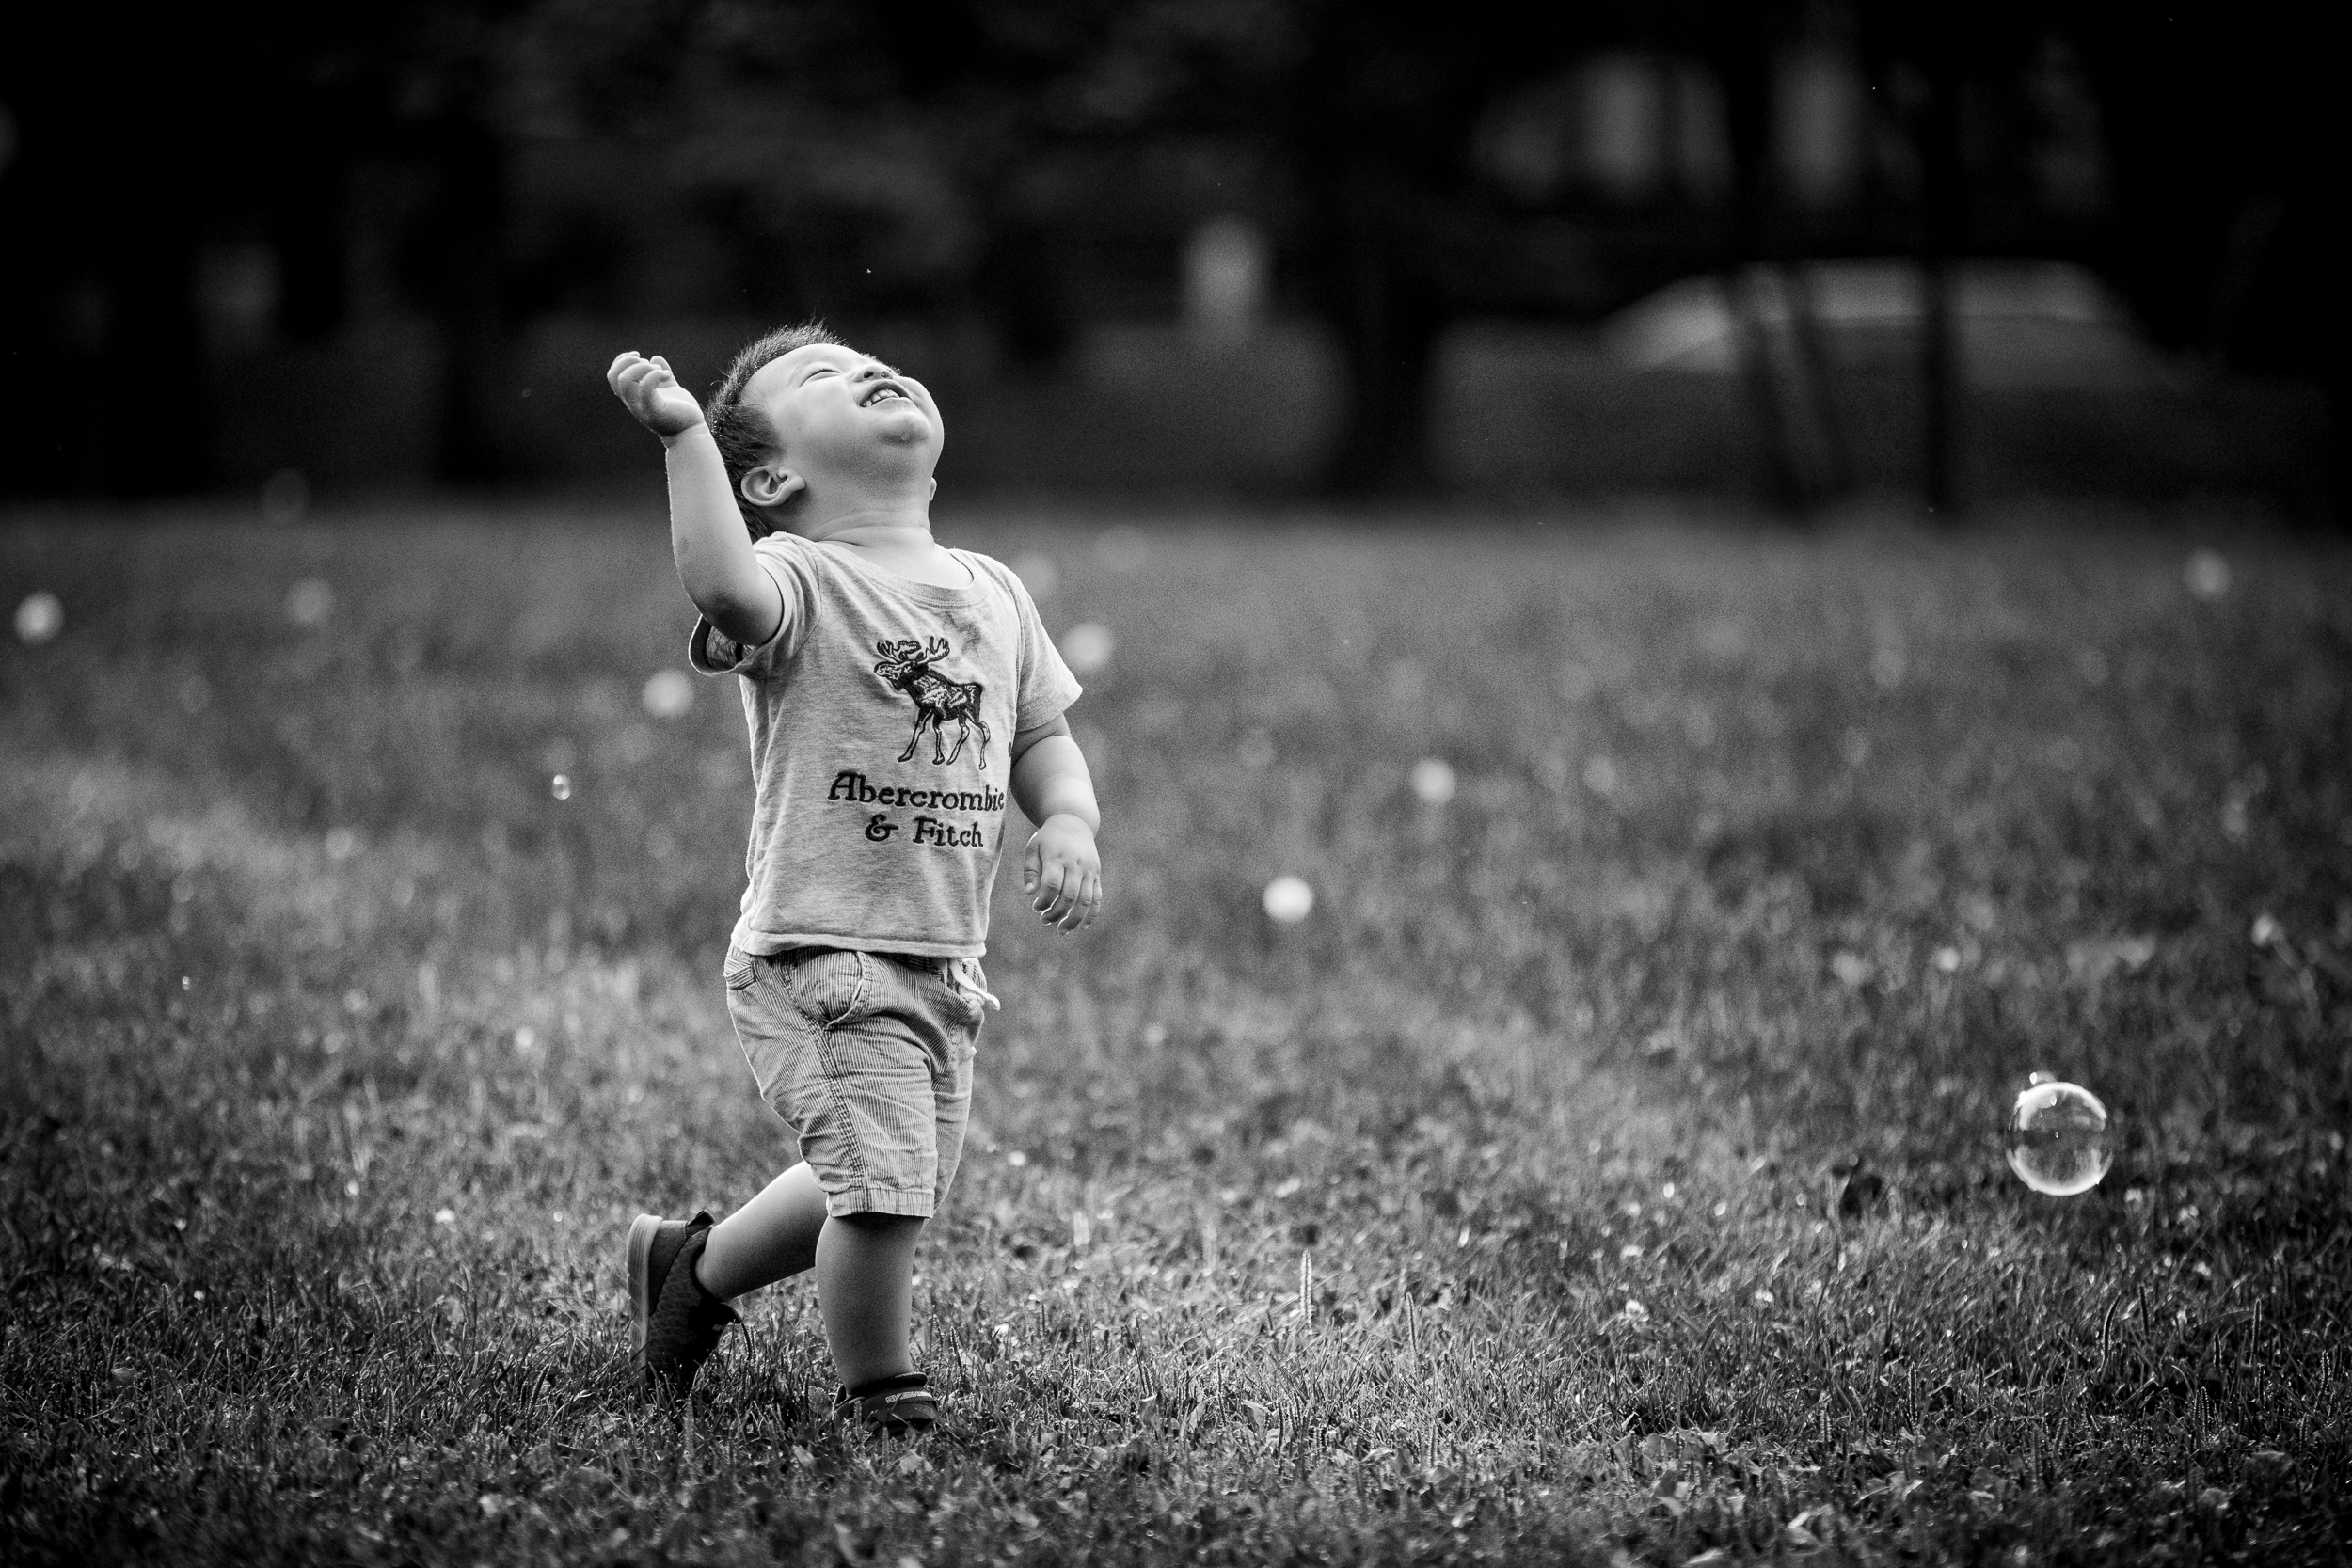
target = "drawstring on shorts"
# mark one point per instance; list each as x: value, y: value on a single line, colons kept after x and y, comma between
x: 966, y: 978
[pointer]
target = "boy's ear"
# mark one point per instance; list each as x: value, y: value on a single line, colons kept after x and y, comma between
x: 771, y: 485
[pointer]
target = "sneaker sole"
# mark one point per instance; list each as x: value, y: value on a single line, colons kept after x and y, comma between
x: 640, y: 1237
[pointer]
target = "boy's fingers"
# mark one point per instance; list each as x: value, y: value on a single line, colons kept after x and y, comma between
x: 1077, y: 905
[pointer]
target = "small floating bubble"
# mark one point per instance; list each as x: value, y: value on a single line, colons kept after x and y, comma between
x: 285, y: 497
x: 2057, y: 1138
x: 1087, y: 647
x: 1038, y: 572
x: 1288, y: 900
x: 1433, y: 780
x: 310, y: 602
x: 668, y: 693
x: 2207, y: 574
x: 39, y: 616
x: 1123, y: 548
x: 561, y: 786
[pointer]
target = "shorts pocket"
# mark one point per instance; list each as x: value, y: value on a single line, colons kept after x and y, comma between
x: 742, y: 970
x: 831, y: 986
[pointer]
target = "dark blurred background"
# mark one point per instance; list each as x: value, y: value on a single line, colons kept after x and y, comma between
x: 1252, y: 250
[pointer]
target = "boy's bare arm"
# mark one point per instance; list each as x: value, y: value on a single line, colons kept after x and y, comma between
x: 1062, y: 870
x: 706, y: 536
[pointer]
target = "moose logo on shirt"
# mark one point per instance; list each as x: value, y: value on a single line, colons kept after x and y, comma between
x: 911, y: 666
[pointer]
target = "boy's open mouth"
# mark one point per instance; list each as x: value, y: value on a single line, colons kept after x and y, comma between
x: 883, y: 391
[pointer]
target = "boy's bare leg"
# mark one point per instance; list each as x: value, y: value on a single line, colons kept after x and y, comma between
x: 864, y: 1267
x: 865, y: 1290
x: 770, y: 1238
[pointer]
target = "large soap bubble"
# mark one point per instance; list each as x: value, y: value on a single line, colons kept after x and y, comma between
x: 2057, y: 1137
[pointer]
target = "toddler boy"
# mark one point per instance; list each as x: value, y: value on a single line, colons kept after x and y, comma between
x: 897, y: 692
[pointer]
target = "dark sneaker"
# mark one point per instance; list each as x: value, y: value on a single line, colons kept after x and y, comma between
x: 895, y: 1406
x: 674, y: 1323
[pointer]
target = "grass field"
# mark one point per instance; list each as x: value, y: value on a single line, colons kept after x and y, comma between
x: 1606, y: 1170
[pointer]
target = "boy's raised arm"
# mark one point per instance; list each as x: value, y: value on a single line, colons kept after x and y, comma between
x: 706, y: 534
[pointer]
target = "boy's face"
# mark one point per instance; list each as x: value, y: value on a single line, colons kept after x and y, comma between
x: 839, y: 414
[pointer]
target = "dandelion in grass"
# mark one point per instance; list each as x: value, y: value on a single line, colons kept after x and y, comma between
x: 39, y: 616
x: 1433, y: 780
x: 2057, y: 1137
x: 1289, y: 900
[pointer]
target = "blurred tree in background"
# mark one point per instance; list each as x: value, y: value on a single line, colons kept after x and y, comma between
x: 400, y: 191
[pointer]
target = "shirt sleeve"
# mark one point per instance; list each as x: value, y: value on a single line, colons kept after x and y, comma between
x: 1046, y: 685
x: 714, y: 653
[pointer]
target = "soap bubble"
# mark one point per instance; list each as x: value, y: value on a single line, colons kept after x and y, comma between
x: 561, y: 786
x: 2207, y: 575
x: 668, y: 694
x: 2057, y: 1137
x: 1038, y: 572
x: 1086, y: 646
x: 1122, y: 548
x: 1288, y: 899
x: 1433, y: 780
x: 310, y: 602
x: 39, y: 616
x: 285, y: 497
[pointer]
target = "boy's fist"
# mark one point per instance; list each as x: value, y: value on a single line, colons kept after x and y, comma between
x: 649, y: 389
x: 1063, y: 873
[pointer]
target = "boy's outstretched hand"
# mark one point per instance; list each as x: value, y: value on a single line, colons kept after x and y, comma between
x: 1063, y: 873
x: 649, y: 390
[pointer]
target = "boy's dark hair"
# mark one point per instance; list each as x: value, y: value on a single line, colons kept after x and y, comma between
x: 745, y: 437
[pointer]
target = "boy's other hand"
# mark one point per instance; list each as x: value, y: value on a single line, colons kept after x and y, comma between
x: 649, y: 389
x: 1063, y: 873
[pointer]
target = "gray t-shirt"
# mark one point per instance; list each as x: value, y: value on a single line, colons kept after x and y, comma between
x: 881, y: 718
